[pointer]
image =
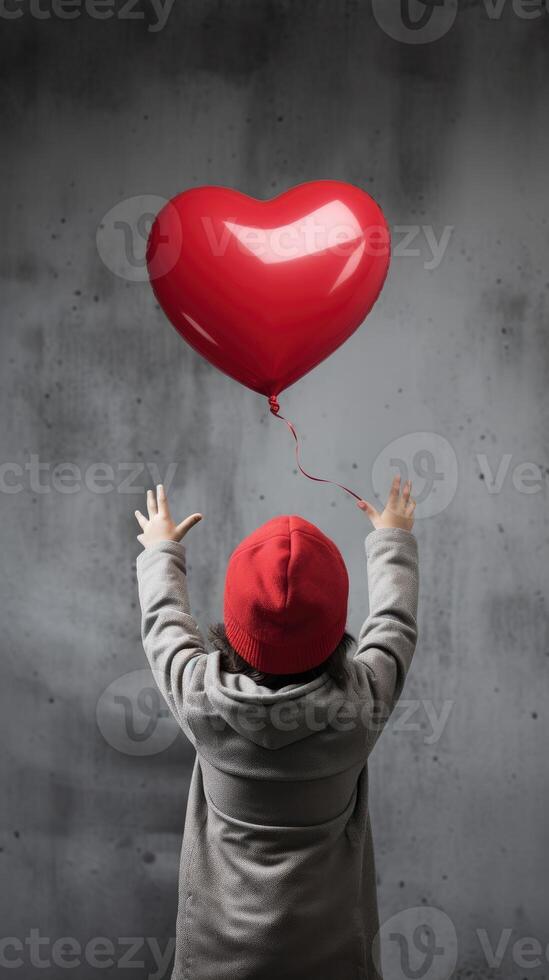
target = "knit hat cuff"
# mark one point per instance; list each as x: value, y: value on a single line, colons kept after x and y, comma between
x: 268, y: 658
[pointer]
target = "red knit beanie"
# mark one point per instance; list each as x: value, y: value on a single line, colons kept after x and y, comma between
x: 286, y: 592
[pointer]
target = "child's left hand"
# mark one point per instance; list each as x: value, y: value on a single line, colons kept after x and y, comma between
x: 160, y: 525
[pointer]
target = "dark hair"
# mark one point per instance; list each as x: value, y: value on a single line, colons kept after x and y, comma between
x: 233, y: 663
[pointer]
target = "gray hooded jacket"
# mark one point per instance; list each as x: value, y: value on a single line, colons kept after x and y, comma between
x: 277, y: 878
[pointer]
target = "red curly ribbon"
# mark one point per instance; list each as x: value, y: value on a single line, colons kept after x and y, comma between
x: 275, y: 410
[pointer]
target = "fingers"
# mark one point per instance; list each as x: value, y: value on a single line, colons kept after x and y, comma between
x: 399, y: 502
x: 186, y: 525
x: 162, y: 501
x: 368, y: 509
x: 394, y: 492
x: 157, y: 507
x: 152, y: 508
x: 408, y: 504
x: 141, y: 538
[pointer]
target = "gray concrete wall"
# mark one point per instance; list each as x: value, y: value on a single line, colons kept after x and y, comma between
x: 449, y: 134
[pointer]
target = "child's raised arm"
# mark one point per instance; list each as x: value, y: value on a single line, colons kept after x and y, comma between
x: 171, y: 637
x: 387, y: 639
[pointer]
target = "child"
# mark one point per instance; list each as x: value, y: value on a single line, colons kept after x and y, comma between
x: 277, y: 878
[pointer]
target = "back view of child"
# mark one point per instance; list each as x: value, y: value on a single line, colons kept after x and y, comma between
x: 277, y: 878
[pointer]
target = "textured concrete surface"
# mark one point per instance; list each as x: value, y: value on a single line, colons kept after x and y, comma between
x: 260, y: 96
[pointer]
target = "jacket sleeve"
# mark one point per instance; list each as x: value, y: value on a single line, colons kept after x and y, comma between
x: 387, y: 638
x: 171, y: 637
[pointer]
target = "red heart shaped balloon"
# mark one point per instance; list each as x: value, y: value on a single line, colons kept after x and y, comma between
x: 265, y: 290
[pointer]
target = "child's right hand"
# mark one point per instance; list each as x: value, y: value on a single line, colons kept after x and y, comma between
x: 398, y: 511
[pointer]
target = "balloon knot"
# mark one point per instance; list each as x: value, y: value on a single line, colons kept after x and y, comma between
x: 273, y: 404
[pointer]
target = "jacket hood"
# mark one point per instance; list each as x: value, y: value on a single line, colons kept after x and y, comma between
x: 272, y: 719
